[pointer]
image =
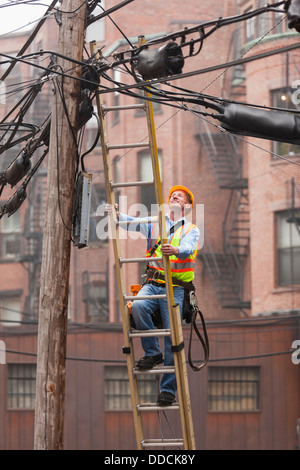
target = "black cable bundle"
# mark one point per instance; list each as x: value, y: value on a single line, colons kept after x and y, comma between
x: 162, y: 62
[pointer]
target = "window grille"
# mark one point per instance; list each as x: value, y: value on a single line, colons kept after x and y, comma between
x: 117, y: 389
x: 233, y: 389
x: 288, y: 250
x: 283, y: 98
x: 147, y: 196
x: 21, y: 379
x: 268, y: 23
x: 10, y: 310
x: 10, y: 236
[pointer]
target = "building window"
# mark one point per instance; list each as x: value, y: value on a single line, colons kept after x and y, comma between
x: 96, y: 31
x: 249, y: 27
x: 12, y: 92
x: 263, y: 21
x: 147, y: 195
x: 282, y: 98
x: 95, y: 295
x: 155, y: 104
x: 117, y: 176
x: 288, y: 250
x: 117, y: 389
x: 10, y: 235
x: 268, y: 23
x: 233, y: 389
x: 21, y: 379
x: 10, y: 308
x: 116, y: 97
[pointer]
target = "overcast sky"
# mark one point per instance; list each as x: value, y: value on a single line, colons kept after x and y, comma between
x: 17, y: 14
x: 20, y: 15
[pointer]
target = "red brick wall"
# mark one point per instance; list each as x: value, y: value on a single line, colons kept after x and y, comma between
x: 267, y: 183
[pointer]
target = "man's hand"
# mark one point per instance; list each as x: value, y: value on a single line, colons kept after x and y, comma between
x: 169, y: 250
x: 109, y: 208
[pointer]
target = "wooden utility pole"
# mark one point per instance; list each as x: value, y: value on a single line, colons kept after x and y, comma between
x: 53, y: 312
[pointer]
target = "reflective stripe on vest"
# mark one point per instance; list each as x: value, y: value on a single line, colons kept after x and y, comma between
x: 180, y: 269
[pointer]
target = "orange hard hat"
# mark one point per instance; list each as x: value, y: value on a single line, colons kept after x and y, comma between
x: 182, y: 188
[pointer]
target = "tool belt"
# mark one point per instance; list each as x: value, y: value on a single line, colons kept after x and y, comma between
x: 189, y: 314
x: 153, y: 275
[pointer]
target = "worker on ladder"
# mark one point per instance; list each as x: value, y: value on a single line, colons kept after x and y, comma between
x: 182, y: 248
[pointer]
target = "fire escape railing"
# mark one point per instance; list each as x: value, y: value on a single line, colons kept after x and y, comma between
x: 222, y: 152
x: 226, y: 267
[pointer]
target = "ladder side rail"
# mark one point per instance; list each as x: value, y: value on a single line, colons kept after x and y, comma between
x: 174, y: 310
x: 138, y: 425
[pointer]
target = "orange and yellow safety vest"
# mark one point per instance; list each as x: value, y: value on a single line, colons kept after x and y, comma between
x: 182, y: 269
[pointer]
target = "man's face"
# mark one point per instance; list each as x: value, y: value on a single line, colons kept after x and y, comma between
x: 179, y: 200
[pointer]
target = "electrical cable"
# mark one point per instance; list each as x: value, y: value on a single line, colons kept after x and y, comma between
x: 57, y: 162
x: 120, y: 361
x: 95, y: 141
x: 108, y: 12
x: 118, y: 28
x: 192, y: 29
x: 163, y: 79
x: 199, y: 113
x: 216, y: 24
x: 31, y: 38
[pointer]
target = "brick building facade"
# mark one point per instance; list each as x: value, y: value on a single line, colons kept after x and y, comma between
x: 247, y: 275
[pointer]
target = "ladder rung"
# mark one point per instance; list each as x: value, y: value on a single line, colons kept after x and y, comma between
x: 127, y: 146
x: 134, y: 183
x: 144, y: 297
x: 162, y: 442
x: 155, y: 370
x: 145, y: 333
x: 155, y: 407
x: 123, y: 108
x: 139, y: 260
x: 137, y: 221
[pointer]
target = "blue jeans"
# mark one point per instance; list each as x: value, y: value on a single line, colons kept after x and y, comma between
x: 141, y: 311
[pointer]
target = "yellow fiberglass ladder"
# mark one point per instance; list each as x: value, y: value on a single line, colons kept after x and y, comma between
x: 187, y: 441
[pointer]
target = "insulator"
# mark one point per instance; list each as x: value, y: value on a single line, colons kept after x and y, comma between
x: 15, y: 201
x: 90, y: 79
x: 85, y: 111
x: 17, y: 169
x: 162, y: 62
x: 264, y: 124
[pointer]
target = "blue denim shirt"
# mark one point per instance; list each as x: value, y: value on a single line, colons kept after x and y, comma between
x: 188, y: 244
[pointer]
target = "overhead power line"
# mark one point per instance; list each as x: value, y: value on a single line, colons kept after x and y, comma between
x: 120, y: 361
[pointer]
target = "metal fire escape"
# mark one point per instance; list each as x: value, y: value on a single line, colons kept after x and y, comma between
x: 226, y: 267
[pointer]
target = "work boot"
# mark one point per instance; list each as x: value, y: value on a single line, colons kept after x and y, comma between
x: 147, y: 362
x: 165, y: 399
